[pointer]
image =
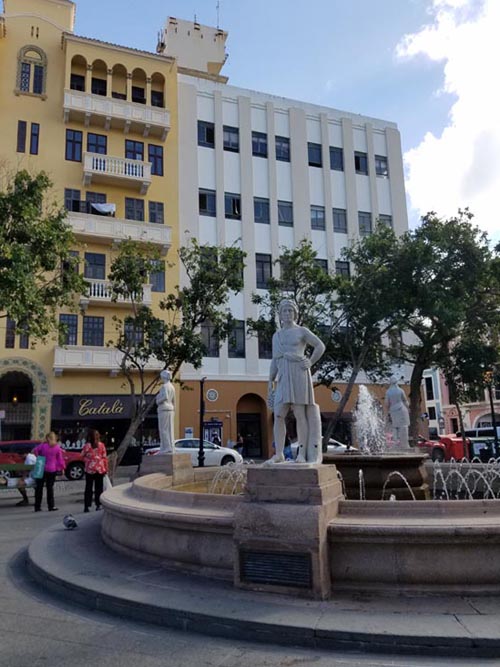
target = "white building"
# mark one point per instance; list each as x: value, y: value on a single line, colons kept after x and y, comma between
x: 264, y: 172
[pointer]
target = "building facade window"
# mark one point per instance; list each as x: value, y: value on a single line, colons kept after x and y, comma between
x: 339, y: 220
x: 21, y: 136
x: 432, y: 412
x: 210, y: 340
x: 314, y: 155
x: 74, y: 141
x: 236, y: 340
x: 336, y: 158
x: 94, y: 198
x: 156, y: 212
x: 95, y: 266
x: 342, y: 268
x: 93, y: 331
x: 263, y: 268
x: 134, y: 150
x: 207, y: 202
x: 385, y: 220
x: 133, y: 332
x: 134, y: 209
x: 283, y: 149
x: 98, y: 86
x: 322, y: 264
x: 157, y: 277
x: 232, y: 206
x: 429, y: 389
x: 206, y: 134
x: 77, y: 82
x: 259, y: 144
x: 138, y: 95
x: 70, y: 324
x: 381, y: 166
x: 265, y: 346
x: 34, y: 138
x: 318, y: 220
x: 97, y: 143
x: 364, y: 223
x: 361, y: 163
x: 10, y: 334
x: 285, y: 213
x: 72, y: 199
x: 261, y: 210
x: 155, y: 156
x: 31, y: 70
x: 157, y: 99
x: 231, y: 138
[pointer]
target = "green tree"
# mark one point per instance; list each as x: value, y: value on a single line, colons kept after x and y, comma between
x: 149, y: 344
x: 38, y: 273
x: 448, y: 291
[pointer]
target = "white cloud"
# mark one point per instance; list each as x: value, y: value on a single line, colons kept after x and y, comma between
x: 461, y: 167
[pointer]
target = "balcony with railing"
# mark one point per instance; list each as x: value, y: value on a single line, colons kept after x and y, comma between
x: 112, y: 170
x: 99, y: 293
x: 86, y: 358
x: 107, y: 229
x: 90, y: 109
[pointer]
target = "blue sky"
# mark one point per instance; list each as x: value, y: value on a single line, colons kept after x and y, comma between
x: 375, y: 58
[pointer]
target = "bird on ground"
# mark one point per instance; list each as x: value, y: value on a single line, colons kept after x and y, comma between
x: 69, y: 522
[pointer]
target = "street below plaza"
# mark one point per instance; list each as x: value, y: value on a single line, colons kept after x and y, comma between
x: 37, y: 629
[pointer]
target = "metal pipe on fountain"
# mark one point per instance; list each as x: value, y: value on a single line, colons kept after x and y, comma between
x: 201, y: 452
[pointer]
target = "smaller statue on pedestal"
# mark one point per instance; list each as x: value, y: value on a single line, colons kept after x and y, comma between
x: 396, y: 404
x: 165, y: 400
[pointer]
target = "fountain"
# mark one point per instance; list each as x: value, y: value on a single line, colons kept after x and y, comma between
x: 377, y: 460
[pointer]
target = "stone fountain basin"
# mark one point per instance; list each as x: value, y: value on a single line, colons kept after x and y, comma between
x: 391, y: 547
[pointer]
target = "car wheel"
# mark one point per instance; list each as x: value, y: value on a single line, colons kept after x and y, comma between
x: 438, y: 455
x: 226, y: 460
x: 74, y: 471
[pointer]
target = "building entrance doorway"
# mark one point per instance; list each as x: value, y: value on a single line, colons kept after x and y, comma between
x: 16, y: 402
x: 250, y: 430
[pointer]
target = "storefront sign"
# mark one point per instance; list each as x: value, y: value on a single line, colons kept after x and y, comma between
x: 102, y: 408
x: 91, y: 407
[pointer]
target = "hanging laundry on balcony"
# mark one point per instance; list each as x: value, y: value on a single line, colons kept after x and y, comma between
x: 103, y: 209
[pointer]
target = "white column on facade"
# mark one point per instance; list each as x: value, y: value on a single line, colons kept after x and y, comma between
x: 219, y: 198
x: 327, y: 189
x: 273, y: 187
x: 300, y: 175
x: 248, y: 226
x: 350, y: 179
x: 189, y: 219
x: 397, y: 181
x: 372, y: 176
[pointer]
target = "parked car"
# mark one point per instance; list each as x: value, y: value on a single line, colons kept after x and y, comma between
x: 452, y: 447
x: 215, y: 455
x: 334, y: 448
x: 15, y: 451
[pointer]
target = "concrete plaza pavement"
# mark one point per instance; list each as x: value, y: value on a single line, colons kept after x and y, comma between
x: 37, y: 628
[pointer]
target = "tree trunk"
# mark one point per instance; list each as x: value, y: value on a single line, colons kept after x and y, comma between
x: 338, y: 414
x: 135, y: 422
x: 461, y: 422
x: 415, y: 397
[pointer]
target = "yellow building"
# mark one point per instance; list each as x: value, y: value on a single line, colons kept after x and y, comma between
x: 101, y: 120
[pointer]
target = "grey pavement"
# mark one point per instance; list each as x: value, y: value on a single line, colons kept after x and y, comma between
x: 37, y: 628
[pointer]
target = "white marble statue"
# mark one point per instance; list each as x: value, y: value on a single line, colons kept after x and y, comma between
x: 396, y: 405
x: 165, y: 400
x: 290, y: 386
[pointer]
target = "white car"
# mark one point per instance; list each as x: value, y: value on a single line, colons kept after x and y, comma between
x: 334, y: 447
x: 215, y: 455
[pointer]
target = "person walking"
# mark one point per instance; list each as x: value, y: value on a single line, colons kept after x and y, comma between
x: 96, y: 467
x: 54, y: 464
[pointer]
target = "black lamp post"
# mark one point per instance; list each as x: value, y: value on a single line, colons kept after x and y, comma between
x: 489, y: 387
x: 201, y: 453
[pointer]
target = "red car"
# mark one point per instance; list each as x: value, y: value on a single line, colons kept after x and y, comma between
x: 15, y: 451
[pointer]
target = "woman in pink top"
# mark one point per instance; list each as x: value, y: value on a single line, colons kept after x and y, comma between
x: 54, y: 464
x: 96, y: 466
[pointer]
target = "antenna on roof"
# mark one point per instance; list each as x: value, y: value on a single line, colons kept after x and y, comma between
x: 217, y: 7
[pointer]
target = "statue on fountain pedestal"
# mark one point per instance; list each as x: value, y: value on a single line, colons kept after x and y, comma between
x: 396, y: 404
x: 165, y: 400
x: 290, y: 386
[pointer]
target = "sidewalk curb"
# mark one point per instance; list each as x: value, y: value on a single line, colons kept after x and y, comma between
x: 232, y: 614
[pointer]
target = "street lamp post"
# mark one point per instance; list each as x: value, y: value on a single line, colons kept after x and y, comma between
x: 493, y: 419
x: 201, y: 453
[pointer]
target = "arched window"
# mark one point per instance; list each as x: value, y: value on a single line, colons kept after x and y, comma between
x: 31, y: 70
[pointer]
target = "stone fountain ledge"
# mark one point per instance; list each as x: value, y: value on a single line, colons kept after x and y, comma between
x: 76, y: 566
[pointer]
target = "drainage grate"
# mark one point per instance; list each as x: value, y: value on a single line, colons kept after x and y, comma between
x: 276, y: 568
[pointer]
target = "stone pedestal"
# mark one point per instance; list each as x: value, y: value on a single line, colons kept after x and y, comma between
x: 280, y: 529
x: 175, y: 465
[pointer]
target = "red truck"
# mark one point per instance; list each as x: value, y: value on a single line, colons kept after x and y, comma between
x: 453, y: 447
